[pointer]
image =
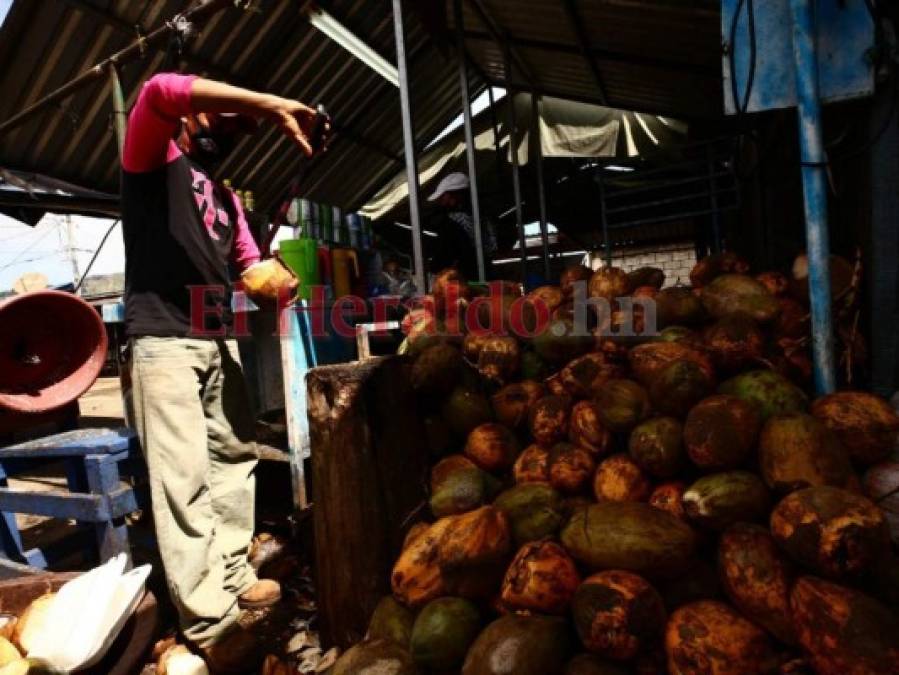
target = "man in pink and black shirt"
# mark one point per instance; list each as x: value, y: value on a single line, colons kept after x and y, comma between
x: 186, y: 237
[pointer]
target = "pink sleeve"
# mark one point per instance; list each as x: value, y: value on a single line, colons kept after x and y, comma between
x: 153, y: 121
x: 244, y: 251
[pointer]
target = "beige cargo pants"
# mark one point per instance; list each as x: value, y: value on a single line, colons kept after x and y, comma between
x: 193, y: 417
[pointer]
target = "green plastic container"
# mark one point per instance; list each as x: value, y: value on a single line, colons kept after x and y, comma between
x: 301, y: 256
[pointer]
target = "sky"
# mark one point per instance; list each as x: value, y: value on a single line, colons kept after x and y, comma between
x: 46, y: 248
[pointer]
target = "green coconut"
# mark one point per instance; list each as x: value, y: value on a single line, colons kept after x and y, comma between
x: 532, y: 366
x: 721, y: 499
x: 523, y: 645
x: 535, y: 511
x: 391, y: 621
x: 622, y: 404
x: 680, y: 386
x: 466, y: 409
x: 443, y: 632
x: 559, y: 342
x: 677, y: 306
x: 463, y: 490
x: 630, y: 536
x: 375, y: 657
x: 798, y: 451
x: 437, y: 370
x: 657, y: 446
x: 771, y: 392
x: 739, y: 293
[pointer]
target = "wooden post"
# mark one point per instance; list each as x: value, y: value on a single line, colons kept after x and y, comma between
x: 369, y: 481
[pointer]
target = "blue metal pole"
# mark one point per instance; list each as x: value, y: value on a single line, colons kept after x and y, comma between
x: 814, y: 186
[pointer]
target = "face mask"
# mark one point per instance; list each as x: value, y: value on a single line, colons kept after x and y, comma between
x: 209, y: 148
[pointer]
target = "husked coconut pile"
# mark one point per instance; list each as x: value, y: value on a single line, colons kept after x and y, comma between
x: 669, y: 500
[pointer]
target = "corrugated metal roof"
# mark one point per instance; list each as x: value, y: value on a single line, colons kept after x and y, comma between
x: 657, y: 56
x: 270, y: 47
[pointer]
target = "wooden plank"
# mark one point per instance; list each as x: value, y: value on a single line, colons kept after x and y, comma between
x: 369, y: 477
x: 74, y: 443
x: 82, y: 507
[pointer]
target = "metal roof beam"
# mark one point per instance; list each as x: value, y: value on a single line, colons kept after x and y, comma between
x: 577, y: 26
x: 605, y: 55
x: 505, y: 40
x: 138, y: 31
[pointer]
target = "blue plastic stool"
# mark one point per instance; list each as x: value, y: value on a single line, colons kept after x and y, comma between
x: 95, y: 493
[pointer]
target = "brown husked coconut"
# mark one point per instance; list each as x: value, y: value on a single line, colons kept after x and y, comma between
x: 792, y: 321
x: 732, y: 293
x: 679, y: 387
x: 843, y: 631
x: 586, y: 431
x: 532, y: 465
x: 706, y: 270
x: 512, y: 403
x: 417, y: 578
x: 834, y: 532
x: 573, y: 274
x: 841, y: 273
x: 609, y: 283
x: 570, y: 467
x: 618, y: 614
x: 678, y: 306
x: 797, y: 451
x: 554, y: 386
x: 551, y: 297
x: 865, y: 423
x: 649, y: 277
x: 493, y: 447
x: 670, y: 497
x: 541, y: 578
x: 648, y: 361
x: 472, y: 344
x: 757, y: 578
x: 720, y: 432
x: 710, y: 637
x: 499, y: 359
x: 622, y: 405
x: 585, y: 376
x: 657, y: 446
x: 619, y: 479
x: 475, y: 538
x: 776, y: 282
x: 549, y: 419
x: 734, y: 341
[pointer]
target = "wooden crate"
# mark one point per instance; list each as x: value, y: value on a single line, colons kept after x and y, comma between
x: 369, y: 485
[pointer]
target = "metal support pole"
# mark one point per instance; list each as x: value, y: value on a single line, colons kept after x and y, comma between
x: 516, y: 183
x: 469, y: 141
x: 814, y: 187
x: 541, y: 190
x: 713, y: 197
x: 409, y: 147
x: 606, y: 243
x: 119, y: 116
x: 495, y: 122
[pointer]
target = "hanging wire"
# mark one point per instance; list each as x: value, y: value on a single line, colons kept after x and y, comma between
x: 96, y: 253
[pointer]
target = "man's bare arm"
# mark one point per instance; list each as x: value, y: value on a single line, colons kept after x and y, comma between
x: 294, y: 118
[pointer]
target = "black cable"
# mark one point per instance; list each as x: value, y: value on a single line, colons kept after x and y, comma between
x: 96, y: 253
x: 868, y: 144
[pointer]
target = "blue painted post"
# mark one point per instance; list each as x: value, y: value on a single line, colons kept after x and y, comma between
x: 814, y: 184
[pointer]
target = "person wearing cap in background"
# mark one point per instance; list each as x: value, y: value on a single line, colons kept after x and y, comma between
x: 183, y: 230
x: 455, y: 244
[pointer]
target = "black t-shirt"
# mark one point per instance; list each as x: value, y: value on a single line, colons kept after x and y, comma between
x: 180, y: 228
